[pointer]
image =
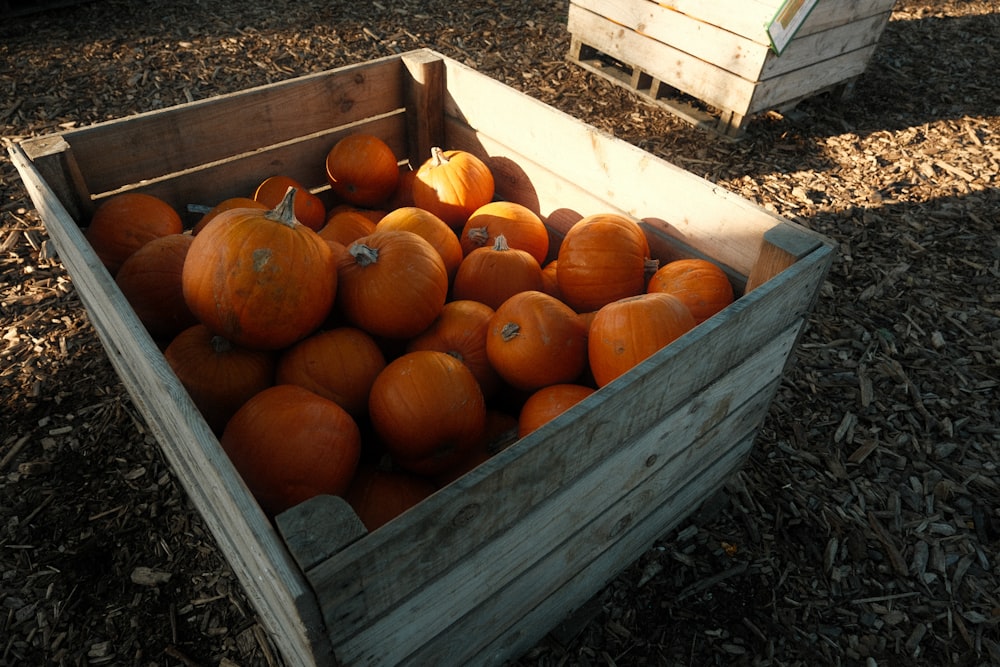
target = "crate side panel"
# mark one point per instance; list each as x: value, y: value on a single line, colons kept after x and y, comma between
x: 372, y: 576
x: 697, y: 212
x: 832, y: 13
x: 563, y: 529
x: 189, y: 135
x: 826, y: 45
x: 277, y: 588
x: 747, y: 18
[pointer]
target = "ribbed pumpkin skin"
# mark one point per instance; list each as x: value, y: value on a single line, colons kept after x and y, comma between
x: 548, y: 403
x: 625, y: 332
x: 398, y: 290
x: 150, y: 280
x: 494, y: 274
x: 535, y: 340
x: 452, y: 185
x: 428, y: 409
x: 431, y: 228
x: 701, y: 285
x: 124, y: 223
x: 260, y: 278
x: 521, y: 226
x: 602, y: 258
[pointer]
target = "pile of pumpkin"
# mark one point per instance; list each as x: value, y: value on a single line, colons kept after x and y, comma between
x: 384, y: 347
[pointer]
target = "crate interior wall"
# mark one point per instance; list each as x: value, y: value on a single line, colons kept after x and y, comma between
x: 482, y: 569
x: 718, y: 51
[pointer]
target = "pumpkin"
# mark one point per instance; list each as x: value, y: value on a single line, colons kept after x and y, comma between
x: 339, y: 364
x: 403, y: 196
x: 523, y: 229
x: 550, y: 282
x: 452, y: 185
x: 218, y: 375
x: 260, y: 278
x: 460, y: 330
x: 432, y: 228
x: 373, y: 214
x: 500, y: 432
x: 225, y: 205
x: 548, y: 403
x: 494, y: 274
x: 290, y: 445
x: 150, y: 280
x: 362, y: 170
x: 309, y: 209
x: 535, y: 340
x: 378, y: 496
x: 427, y: 408
x: 627, y: 331
x: 346, y: 226
x: 125, y: 222
x: 701, y: 285
x: 603, y: 258
x: 393, y: 283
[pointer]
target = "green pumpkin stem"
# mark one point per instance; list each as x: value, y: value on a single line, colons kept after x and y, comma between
x: 284, y: 212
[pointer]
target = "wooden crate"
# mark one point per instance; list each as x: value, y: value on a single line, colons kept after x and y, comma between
x: 718, y: 52
x: 481, y: 570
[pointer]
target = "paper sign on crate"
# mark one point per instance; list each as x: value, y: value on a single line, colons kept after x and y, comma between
x: 786, y: 22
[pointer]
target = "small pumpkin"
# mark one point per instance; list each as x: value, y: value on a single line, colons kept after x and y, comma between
x: 432, y: 228
x: 339, y: 364
x: 347, y: 226
x: 452, y: 184
x: 362, y: 170
x: 521, y: 226
x: 290, y: 444
x: 378, y: 496
x: 393, y: 284
x: 701, y: 285
x: 150, y: 280
x: 603, y: 258
x: 535, y: 340
x: 625, y: 332
x: 460, y: 330
x: 427, y: 408
x: 218, y: 375
x: 309, y: 208
x: 125, y: 222
x: 494, y: 274
x: 260, y: 278
x: 225, y: 205
x: 548, y: 403
x: 550, y: 282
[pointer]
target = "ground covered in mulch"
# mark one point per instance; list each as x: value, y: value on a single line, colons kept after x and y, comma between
x: 863, y: 530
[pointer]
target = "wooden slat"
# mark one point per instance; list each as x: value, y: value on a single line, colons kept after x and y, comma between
x: 742, y: 17
x: 824, y: 46
x: 425, y: 87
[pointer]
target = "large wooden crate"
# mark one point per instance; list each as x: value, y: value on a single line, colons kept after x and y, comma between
x: 719, y: 52
x: 482, y: 569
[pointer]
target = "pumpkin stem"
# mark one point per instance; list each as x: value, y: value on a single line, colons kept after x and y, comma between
x: 221, y: 344
x: 479, y: 236
x: 650, y: 266
x: 510, y: 331
x: 362, y: 254
x: 438, y: 156
x: 500, y: 243
x: 284, y: 212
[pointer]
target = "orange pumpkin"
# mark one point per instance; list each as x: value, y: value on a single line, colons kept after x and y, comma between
x: 260, y: 278
x: 403, y: 196
x: 625, y: 332
x: 150, y: 280
x: 309, y: 209
x: 378, y: 496
x: 521, y: 226
x: 701, y: 285
x: 290, y: 444
x: 225, y: 205
x: 393, y: 284
x: 550, y: 282
x: 362, y: 170
x: 219, y: 376
x: 432, y: 228
x: 494, y: 274
x: 427, y: 408
x: 125, y: 222
x: 452, y: 185
x: 460, y: 330
x: 548, y: 403
x: 499, y: 433
x: 535, y: 340
x: 603, y: 258
x: 347, y: 226
x: 339, y: 364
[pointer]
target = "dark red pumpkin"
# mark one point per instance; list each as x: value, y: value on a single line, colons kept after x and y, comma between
x: 150, y: 280
x: 378, y: 496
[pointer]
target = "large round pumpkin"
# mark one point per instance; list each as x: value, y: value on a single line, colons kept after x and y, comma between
x: 393, y: 284
x: 520, y: 225
x: 433, y: 229
x: 290, y: 444
x: 219, y: 376
x: 627, y: 331
x: 362, y: 170
x: 150, y: 280
x: 452, y: 185
x: 427, y: 408
x: 603, y: 258
x: 260, y: 278
x: 125, y: 222
x: 535, y: 340
x: 702, y: 286
x: 339, y: 364
x: 493, y: 274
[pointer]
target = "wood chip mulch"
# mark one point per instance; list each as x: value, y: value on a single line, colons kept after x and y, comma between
x: 865, y: 528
